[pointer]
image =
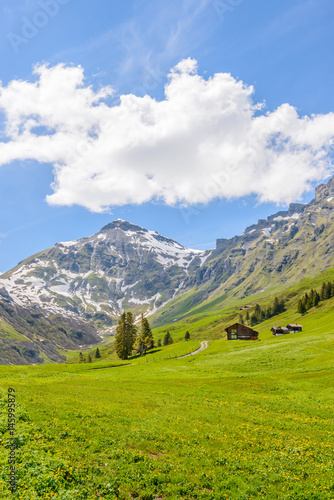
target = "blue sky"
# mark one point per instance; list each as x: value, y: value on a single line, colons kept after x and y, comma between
x: 283, y: 49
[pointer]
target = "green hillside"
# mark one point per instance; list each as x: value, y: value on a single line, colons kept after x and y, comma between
x: 241, y: 420
x: 210, y: 319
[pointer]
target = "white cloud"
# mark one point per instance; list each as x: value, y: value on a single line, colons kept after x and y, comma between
x: 206, y: 139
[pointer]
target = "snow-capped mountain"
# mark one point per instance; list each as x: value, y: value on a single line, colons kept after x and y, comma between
x: 98, y: 277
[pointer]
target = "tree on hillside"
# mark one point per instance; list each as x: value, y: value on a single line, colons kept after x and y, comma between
x: 301, y: 309
x: 89, y: 359
x: 97, y: 353
x: 144, y: 339
x: 253, y: 320
x: 316, y: 299
x: 187, y: 335
x: 82, y: 358
x: 168, y: 339
x: 125, y: 336
x: 159, y: 343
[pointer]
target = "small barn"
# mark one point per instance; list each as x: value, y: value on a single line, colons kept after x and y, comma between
x: 294, y: 328
x: 241, y: 332
x: 280, y: 330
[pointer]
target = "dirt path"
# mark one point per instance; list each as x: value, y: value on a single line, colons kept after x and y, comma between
x: 204, y: 345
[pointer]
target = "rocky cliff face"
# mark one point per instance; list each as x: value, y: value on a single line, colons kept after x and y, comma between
x: 28, y: 337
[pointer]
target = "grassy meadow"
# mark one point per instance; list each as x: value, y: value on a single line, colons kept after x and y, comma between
x: 240, y: 420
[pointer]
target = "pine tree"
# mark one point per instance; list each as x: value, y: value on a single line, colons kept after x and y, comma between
x: 241, y: 319
x: 328, y: 291
x: 144, y: 340
x: 89, y: 358
x: 168, y: 339
x: 323, y: 291
x: 307, y: 301
x: 257, y: 312
x: 268, y: 312
x: 247, y: 317
x: 275, y: 307
x: 82, y: 358
x: 301, y: 309
x: 125, y: 336
x: 281, y: 306
x: 159, y: 343
x: 97, y: 353
x: 187, y: 335
x: 253, y: 320
x: 316, y: 299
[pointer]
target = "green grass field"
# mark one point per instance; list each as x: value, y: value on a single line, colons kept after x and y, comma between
x: 241, y: 420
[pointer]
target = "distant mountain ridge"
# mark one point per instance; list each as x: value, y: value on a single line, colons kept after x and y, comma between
x: 90, y: 281
x: 96, y: 277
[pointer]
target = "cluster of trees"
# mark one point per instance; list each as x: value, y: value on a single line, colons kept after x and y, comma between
x: 129, y: 337
x: 169, y: 340
x: 312, y: 298
x: 88, y: 359
x: 327, y: 290
x: 307, y: 301
x: 259, y: 314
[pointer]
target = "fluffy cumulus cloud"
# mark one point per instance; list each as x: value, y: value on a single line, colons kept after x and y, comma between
x: 206, y: 139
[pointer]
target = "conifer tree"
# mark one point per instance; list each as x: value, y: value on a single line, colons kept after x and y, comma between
x: 82, y: 358
x: 275, y: 307
x: 97, y: 353
x: 125, y: 336
x: 253, y: 320
x: 144, y: 339
x: 187, y: 335
x: 328, y: 292
x: 301, y: 307
x: 247, y: 317
x: 159, y: 343
x: 168, y: 339
x: 323, y: 291
x: 89, y: 359
x: 316, y: 299
x: 281, y: 306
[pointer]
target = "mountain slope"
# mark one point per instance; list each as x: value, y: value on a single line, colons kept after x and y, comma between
x: 269, y: 256
x: 28, y: 337
x: 95, y: 278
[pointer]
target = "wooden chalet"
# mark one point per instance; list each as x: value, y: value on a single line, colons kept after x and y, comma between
x: 280, y: 330
x: 294, y: 328
x: 290, y: 328
x: 241, y: 332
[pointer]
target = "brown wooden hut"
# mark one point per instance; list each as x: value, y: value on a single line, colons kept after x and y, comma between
x: 280, y: 330
x: 294, y: 327
x: 241, y: 332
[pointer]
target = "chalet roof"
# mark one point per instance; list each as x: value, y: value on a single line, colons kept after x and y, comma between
x: 281, y: 328
x: 295, y: 325
x: 235, y: 325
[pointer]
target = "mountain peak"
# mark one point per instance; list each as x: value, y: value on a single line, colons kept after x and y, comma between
x: 325, y: 190
x: 123, y: 225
